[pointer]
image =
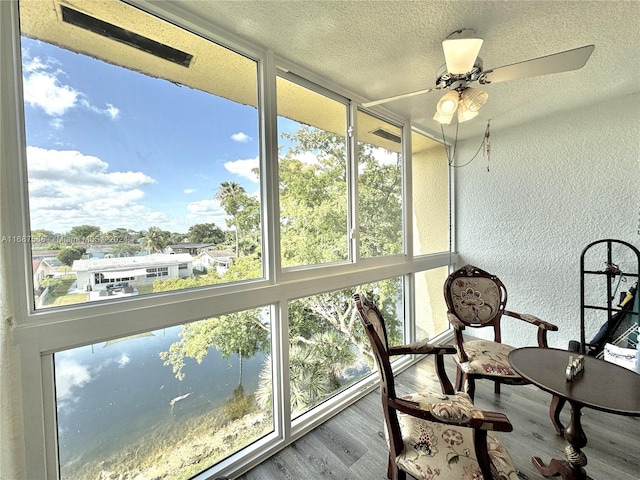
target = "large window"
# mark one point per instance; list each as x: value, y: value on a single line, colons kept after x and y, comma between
x: 192, y: 283
x: 328, y: 349
x: 142, y: 139
x: 379, y: 186
x: 313, y: 176
x: 125, y: 404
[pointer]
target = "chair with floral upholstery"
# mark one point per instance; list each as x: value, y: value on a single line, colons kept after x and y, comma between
x: 477, y: 299
x: 436, y: 434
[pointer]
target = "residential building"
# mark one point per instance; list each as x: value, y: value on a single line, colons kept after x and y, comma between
x: 41, y: 269
x: 192, y: 249
x: 97, y: 273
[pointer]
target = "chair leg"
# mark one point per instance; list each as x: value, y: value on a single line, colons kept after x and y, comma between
x: 471, y: 386
x: 465, y: 383
x: 459, y: 379
x: 393, y: 472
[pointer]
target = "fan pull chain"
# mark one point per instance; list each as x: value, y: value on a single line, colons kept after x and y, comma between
x: 487, y: 145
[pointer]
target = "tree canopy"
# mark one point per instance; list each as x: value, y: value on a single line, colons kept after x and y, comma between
x: 68, y: 255
x: 324, y: 332
x: 206, y: 233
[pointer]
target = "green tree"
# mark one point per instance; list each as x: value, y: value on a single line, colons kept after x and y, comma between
x: 120, y: 235
x: 313, y: 199
x: 205, y: 233
x: 173, y: 238
x: 154, y: 240
x: 40, y: 238
x: 125, y: 249
x: 244, y: 213
x: 82, y: 233
x: 379, y: 185
x: 50, y: 282
x: 69, y: 254
x: 241, y: 333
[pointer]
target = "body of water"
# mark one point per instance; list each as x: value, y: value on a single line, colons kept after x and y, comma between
x: 111, y: 394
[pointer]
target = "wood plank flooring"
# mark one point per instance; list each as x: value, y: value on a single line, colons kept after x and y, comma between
x: 352, y: 446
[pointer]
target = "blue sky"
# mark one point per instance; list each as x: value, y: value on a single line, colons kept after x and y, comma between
x: 111, y: 147
x: 115, y: 148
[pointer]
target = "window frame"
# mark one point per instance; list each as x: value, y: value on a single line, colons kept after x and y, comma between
x: 41, y: 333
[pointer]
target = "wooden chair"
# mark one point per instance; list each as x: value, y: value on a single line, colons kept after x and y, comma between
x: 436, y: 433
x: 477, y: 299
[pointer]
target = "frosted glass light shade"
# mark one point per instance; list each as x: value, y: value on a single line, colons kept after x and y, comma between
x: 464, y: 113
x: 447, y: 107
x: 474, y: 98
x: 460, y: 54
x: 443, y: 117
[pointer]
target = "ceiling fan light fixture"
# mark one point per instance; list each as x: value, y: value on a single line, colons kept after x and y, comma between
x: 443, y: 117
x: 474, y: 98
x: 465, y: 113
x: 447, y: 107
x: 448, y: 103
x: 460, y: 53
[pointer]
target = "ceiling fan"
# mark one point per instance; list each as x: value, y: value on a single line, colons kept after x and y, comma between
x: 463, y: 67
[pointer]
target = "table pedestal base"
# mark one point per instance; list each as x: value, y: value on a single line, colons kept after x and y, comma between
x: 573, y: 467
x: 559, y: 467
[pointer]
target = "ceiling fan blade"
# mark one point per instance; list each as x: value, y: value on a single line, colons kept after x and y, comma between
x: 398, y: 97
x: 555, y: 63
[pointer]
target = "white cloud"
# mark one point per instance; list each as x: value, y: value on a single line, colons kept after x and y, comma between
x: 207, y: 211
x: 241, y: 137
x: 189, y: 190
x: 123, y: 361
x: 244, y: 168
x: 69, y: 188
x: 308, y: 158
x: 43, y: 88
x: 70, y: 375
x: 384, y: 156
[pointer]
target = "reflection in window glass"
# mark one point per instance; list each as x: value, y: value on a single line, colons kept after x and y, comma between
x: 431, y: 310
x: 313, y: 178
x: 142, y: 164
x: 328, y: 348
x: 166, y: 404
x: 379, y: 187
x: 430, y: 173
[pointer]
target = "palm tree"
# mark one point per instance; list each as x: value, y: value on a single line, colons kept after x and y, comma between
x: 154, y: 240
x: 227, y: 195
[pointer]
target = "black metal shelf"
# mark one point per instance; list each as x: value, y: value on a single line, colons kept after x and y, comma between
x: 610, y: 308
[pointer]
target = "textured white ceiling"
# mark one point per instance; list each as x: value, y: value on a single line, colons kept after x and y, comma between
x: 377, y: 49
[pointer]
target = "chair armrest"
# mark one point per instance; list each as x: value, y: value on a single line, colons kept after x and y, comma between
x: 474, y: 418
x: 422, y: 348
x: 455, y: 322
x: 543, y: 327
x: 533, y: 320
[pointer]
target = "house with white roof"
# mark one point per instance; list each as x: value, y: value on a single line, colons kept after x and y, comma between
x: 97, y: 273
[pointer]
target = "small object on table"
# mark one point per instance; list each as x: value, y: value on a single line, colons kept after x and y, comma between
x: 574, y: 368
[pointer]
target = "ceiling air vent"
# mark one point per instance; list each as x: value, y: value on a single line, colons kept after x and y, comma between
x: 387, y: 135
x: 127, y: 37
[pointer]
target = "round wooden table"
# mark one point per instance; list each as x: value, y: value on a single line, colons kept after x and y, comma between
x: 601, y: 385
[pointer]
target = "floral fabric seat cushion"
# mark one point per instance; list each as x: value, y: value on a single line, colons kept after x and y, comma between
x: 488, y: 358
x: 438, y: 451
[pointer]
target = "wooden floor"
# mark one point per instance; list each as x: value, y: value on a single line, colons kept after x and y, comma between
x: 352, y: 446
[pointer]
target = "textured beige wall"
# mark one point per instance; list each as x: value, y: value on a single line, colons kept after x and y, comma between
x: 430, y: 175
x: 554, y: 186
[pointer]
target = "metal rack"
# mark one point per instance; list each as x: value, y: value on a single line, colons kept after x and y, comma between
x: 630, y: 334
